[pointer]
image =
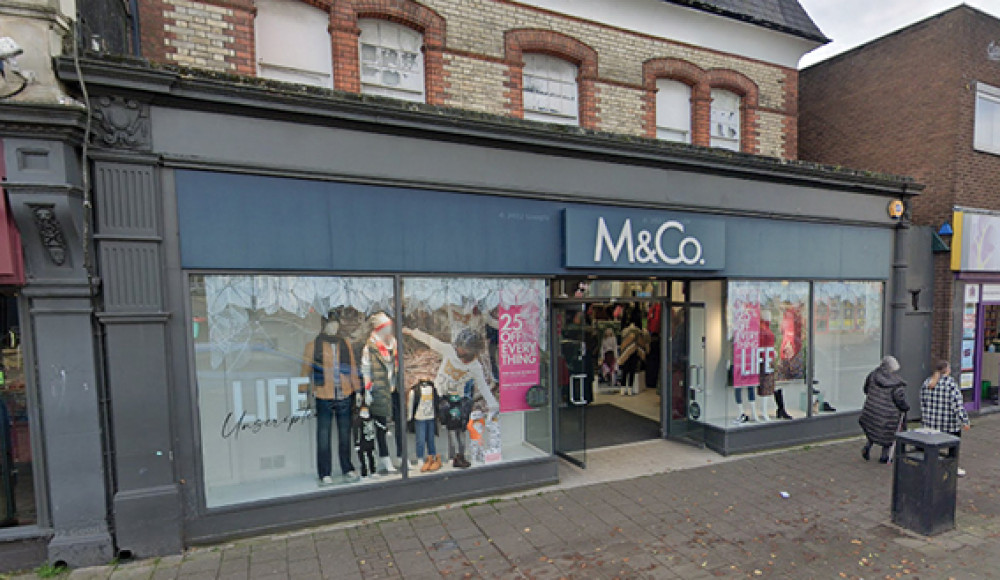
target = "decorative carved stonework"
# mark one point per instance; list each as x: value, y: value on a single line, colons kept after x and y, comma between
x: 121, y: 123
x: 50, y: 231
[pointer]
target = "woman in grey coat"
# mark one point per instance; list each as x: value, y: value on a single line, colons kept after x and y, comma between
x: 885, y: 403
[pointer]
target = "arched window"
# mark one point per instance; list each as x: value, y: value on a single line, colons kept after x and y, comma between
x: 391, y: 60
x: 309, y: 59
x: 673, y: 111
x: 725, y: 117
x: 550, y: 89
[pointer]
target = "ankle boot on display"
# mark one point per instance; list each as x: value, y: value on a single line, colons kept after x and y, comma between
x: 435, y: 463
x: 428, y: 462
x: 387, y: 464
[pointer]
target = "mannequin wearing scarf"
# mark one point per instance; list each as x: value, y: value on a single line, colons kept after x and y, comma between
x: 329, y: 363
x: 379, y: 370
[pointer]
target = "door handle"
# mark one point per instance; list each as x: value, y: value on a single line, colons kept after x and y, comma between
x: 577, y: 383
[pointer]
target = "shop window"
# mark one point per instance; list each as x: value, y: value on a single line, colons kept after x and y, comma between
x: 725, y: 117
x: 768, y: 352
x: 279, y: 362
x: 477, y: 359
x: 308, y: 60
x: 987, y: 130
x: 673, y: 111
x: 17, y: 475
x: 851, y: 349
x: 391, y: 60
x: 550, y: 89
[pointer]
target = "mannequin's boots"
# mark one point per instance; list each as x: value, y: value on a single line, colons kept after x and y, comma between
x: 435, y: 463
x: 459, y: 461
x: 387, y: 464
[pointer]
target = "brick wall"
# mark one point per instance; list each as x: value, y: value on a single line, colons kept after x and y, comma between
x: 906, y: 105
x: 469, y: 64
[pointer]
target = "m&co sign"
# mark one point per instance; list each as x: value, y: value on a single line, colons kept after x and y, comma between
x: 608, y: 238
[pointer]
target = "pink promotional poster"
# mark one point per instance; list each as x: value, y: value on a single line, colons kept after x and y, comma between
x: 519, y: 364
x: 746, y: 340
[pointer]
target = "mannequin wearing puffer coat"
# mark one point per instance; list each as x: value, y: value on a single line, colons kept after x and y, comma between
x: 885, y: 404
x: 635, y: 346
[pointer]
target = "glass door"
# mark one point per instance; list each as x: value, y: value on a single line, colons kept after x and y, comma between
x: 688, y: 408
x: 575, y: 378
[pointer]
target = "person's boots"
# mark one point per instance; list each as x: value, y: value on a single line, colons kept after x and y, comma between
x: 884, y: 458
x: 866, y: 451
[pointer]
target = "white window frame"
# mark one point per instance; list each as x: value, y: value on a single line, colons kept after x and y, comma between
x: 673, y: 110
x: 391, y: 60
x: 550, y: 90
x: 986, y: 132
x: 308, y: 60
x: 726, y: 127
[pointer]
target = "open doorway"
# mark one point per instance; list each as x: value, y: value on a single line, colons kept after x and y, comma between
x: 613, y: 346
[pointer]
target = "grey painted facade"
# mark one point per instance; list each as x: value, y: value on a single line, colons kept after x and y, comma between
x: 119, y: 362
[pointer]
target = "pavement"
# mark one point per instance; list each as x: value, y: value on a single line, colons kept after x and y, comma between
x: 705, y: 517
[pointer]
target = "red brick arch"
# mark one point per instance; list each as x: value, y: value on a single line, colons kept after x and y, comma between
x: 526, y: 40
x: 344, y: 16
x: 677, y: 70
x: 702, y: 82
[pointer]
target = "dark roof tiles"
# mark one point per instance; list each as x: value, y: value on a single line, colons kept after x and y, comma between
x: 783, y: 15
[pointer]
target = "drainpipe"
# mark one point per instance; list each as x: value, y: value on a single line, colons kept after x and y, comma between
x: 899, y: 294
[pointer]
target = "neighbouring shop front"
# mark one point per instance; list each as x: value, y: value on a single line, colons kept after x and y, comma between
x: 286, y: 282
x: 976, y: 266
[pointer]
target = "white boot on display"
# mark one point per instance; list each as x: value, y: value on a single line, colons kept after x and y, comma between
x: 762, y: 408
x: 387, y: 463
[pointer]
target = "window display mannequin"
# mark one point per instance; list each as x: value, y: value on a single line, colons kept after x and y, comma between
x: 745, y: 413
x: 459, y: 373
x: 423, y: 403
x: 765, y: 370
x: 379, y: 371
x: 329, y: 363
x: 366, y: 429
x: 633, y: 352
x: 790, y: 355
x: 609, y: 356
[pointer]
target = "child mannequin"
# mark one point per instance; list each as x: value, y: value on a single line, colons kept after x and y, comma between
x: 379, y: 370
x: 423, y: 401
x: 365, y: 428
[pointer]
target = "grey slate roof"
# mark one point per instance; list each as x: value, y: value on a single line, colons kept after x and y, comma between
x: 783, y: 15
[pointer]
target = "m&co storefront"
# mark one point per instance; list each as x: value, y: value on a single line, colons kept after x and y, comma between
x: 265, y: 294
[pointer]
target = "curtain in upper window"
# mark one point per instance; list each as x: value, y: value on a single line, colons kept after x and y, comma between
x: 673, y: 111
x: 725, y: 130
x: 308, y: 60
x: 550, y: 89
x: 392, y: 60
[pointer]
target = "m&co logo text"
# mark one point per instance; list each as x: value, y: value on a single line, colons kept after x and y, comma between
x: 668, y: 244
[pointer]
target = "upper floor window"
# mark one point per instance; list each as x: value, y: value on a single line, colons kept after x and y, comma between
x: 550, y: 90
x: 309, y: 59
x: 725, y: 117
x: 392, y: 60
x: 987, y: 132
x: 673, y: 111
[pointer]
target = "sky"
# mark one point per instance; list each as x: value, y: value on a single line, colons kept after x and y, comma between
x: 852, y: 22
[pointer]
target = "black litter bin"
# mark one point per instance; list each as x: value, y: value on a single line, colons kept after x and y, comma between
x: 924, y: 480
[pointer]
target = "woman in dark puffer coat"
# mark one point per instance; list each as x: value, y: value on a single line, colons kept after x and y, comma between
x: 885, y: 403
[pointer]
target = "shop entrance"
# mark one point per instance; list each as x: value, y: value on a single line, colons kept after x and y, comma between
x: 629, y: 363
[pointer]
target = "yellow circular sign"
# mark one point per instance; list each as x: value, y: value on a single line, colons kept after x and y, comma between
x: 896, y: 209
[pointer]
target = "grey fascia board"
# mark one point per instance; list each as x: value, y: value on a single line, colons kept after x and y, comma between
x: 172, y: 88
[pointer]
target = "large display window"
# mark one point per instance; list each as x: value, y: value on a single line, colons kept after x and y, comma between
x: 303, y: 383
x: 848, y: 345
x: 768, y: 351
x: 476, y: 360
x: 768, y: 330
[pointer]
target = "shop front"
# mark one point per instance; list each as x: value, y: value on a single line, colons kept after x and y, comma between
x: 338, y: 310
x: 976, y: 267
